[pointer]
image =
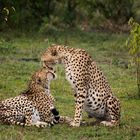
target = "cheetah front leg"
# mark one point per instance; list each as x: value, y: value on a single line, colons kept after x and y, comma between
x: 79, y: 103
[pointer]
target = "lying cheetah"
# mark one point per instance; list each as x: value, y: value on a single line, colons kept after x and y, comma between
x: 35, y: 106
x: 92, y: 91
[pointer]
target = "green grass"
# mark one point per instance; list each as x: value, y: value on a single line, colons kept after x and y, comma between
x: 108, y: 50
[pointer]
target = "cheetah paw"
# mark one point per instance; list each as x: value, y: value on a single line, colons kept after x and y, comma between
x: 42, y: 124
x: 73, y: 124
x: 106, y: 123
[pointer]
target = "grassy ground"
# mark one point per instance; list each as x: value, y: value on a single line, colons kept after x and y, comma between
x: 19, y: 58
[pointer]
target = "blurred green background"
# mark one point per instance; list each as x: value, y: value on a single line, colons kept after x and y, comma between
x: 55, y: 15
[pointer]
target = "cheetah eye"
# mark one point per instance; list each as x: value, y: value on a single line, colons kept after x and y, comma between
x: 39, y: 80
x: 53, y: 53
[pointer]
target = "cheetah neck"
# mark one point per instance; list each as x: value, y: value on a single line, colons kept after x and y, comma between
x: 35, y: 89
x: 66, y: 53
x: 47, y: 88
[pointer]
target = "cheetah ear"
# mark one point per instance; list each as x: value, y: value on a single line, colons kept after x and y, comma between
x: 52, y: 45
x: 50, y: 76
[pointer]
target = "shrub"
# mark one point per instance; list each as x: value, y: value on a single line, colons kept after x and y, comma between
x: 133, y: 44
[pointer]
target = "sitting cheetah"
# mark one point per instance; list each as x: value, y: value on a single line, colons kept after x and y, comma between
x: 35, y: 106
x: 92, y: 91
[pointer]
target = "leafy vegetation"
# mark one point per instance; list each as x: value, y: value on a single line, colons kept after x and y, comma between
x: 31, y: 15
x: 133, y: 45
x: 19, y: 58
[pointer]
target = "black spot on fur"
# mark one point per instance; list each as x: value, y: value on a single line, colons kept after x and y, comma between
x: 54, y: 112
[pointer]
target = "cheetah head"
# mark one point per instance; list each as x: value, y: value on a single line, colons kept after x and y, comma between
x: 43, y: 77
x: 52, y: 56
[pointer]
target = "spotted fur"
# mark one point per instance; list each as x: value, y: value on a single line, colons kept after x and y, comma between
x: 35, y: 106
x: 92, y: 91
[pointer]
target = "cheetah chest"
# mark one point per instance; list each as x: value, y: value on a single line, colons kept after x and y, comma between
x: 35, y: 115
x: 70, y: 77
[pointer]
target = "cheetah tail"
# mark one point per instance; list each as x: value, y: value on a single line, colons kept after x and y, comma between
x: 56, y: 115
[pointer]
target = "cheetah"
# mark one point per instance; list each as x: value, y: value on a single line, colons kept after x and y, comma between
x: 92, y: 91
x: 34, y: 106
